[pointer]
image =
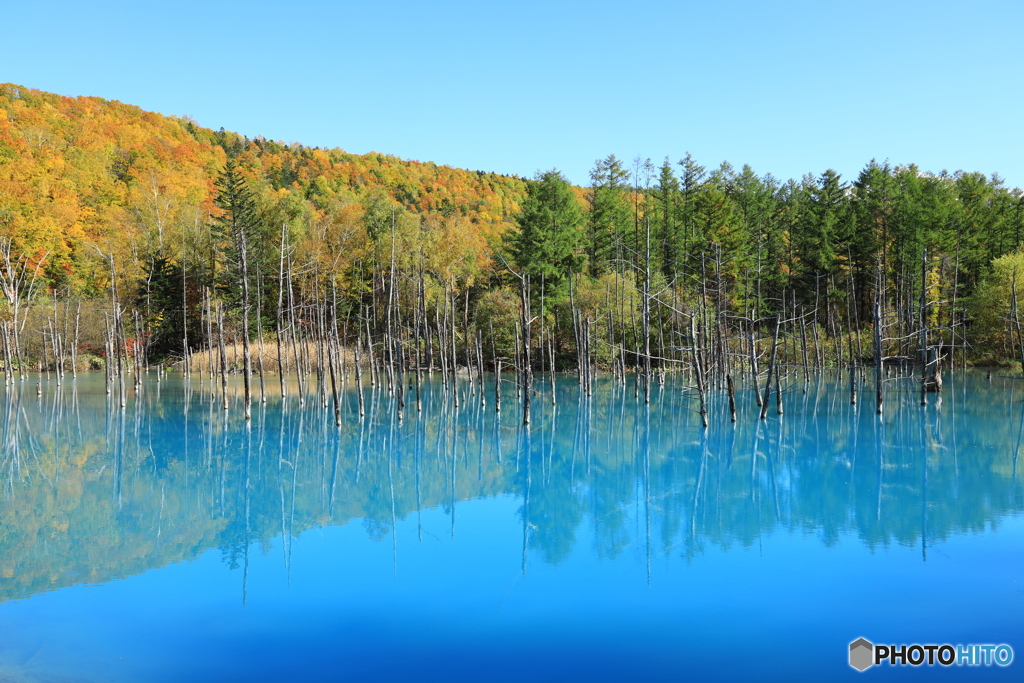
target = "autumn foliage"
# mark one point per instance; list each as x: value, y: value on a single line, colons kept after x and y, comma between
x: 84, y: 179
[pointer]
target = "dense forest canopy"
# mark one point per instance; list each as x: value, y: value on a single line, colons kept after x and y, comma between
x: 103, y: 202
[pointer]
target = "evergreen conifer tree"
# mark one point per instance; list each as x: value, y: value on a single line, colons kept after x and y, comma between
x: 549, y: 229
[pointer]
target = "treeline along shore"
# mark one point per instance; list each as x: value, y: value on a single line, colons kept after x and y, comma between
x: 130, y: 239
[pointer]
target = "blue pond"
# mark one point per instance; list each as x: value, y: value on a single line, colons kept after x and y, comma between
x: 171, y: 541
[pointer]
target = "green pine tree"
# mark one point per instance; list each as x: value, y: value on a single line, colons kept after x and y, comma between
x: 549, y: 229
x: 610, y: 219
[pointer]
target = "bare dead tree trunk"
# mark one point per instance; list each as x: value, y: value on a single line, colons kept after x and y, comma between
x: 732, y: 398
x: 259, y: 336
x: 334, y: 381
x: 803, y: 344
x: 497, y: 385
x: 74, y: 347
x: 298, y: 343
x: 879, y: 360
x: 359, y: 372
x: 453, y: 338
x: 118, y: 330
x: 223, y: 355
x: 1016, y: 321
x: 771, y: 368
x: 524, y: 292
x: 924, y: 328
x: 755, y: 374
x: 108, y: 348
x: 778, y: 392
x: 7, y: 356
x: 698, y: 372
x: 418, y: 323
x: 280, y: 315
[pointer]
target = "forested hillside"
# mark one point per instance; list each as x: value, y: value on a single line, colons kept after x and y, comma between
x: 90, y: 187
x: 83, y: 178
x: 119, y: 224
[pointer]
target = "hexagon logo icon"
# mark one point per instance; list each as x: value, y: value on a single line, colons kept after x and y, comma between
x: 861, y: 654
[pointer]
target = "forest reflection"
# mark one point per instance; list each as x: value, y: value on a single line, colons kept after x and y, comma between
x: 94, y: 492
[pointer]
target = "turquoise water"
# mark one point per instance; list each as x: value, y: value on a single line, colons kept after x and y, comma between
x: 170, y: 541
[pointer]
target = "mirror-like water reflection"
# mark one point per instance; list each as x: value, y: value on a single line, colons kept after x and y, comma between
x: 607, y: 540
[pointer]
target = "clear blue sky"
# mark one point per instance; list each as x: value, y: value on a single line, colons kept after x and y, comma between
x: 789, y: 87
